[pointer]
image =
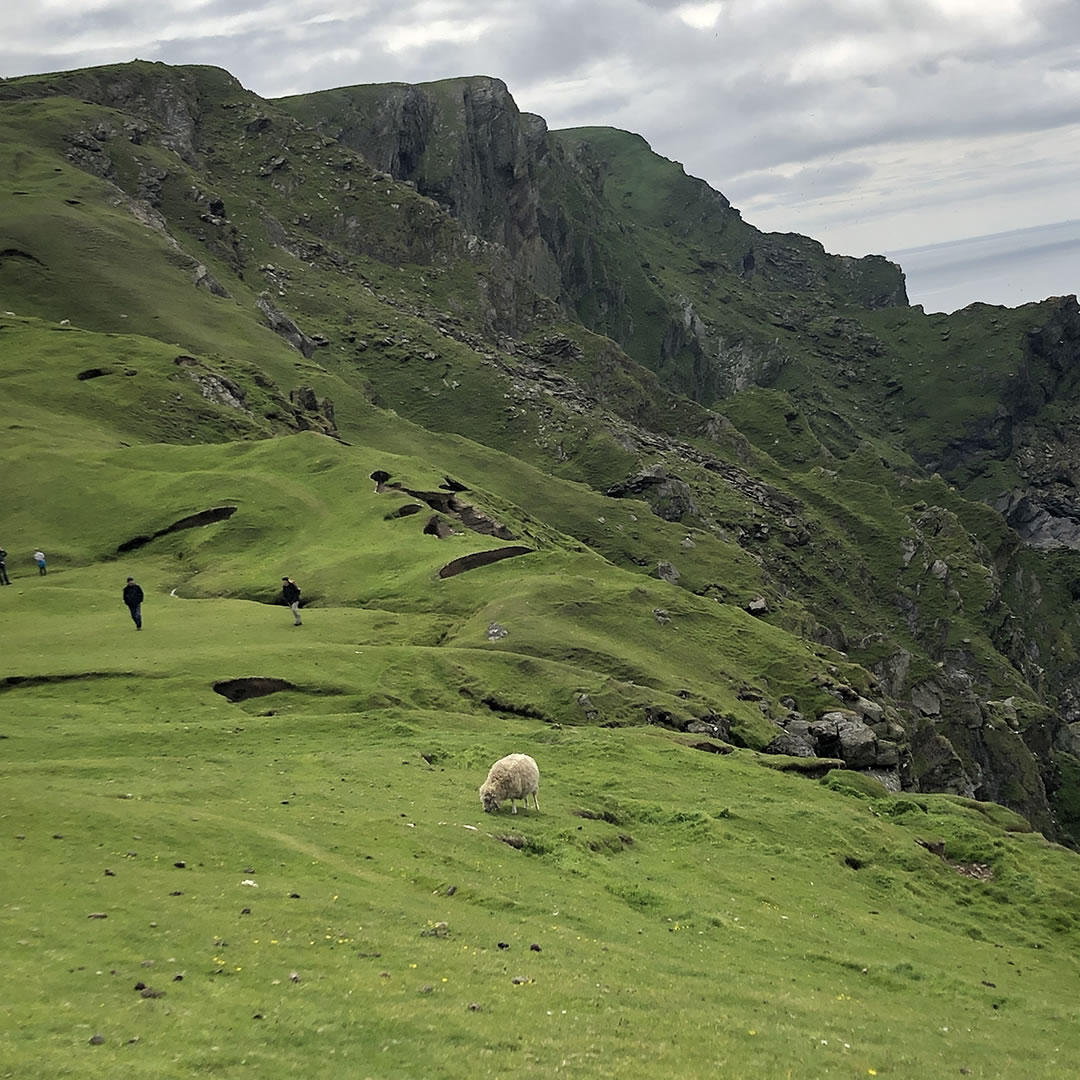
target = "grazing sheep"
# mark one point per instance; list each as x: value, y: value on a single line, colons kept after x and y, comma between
x: 512, y: 777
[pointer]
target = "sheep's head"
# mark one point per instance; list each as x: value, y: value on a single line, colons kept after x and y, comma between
x: 487, y: 797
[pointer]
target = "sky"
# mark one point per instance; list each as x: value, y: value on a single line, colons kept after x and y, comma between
x: 872, y: 125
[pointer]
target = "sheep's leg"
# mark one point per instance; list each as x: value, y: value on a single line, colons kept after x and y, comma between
x: 536, y: 801
x: 513, y: 806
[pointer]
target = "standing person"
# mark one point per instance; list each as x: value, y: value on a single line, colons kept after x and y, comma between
x: 39, y: 558
x: 4, y: 579
x: 133, y: 597
x: 290, y: 593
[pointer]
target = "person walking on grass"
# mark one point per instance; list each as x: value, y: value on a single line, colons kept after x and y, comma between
x: 4, y: 579
x: 290, y: 593
x: 39, y: 558
x: 133, y: 597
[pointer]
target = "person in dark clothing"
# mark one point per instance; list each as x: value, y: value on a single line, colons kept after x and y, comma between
x: 133, y: 597
x: 290, y: 593
x: 4, y: 579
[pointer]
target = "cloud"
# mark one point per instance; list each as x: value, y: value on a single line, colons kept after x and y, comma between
x: 811, y: 181
x: 869, y: 123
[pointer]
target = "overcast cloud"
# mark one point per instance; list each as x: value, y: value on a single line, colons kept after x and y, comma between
x: 869, y: 124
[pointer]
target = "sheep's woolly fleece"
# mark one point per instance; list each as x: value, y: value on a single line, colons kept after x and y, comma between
x: 515, y: 776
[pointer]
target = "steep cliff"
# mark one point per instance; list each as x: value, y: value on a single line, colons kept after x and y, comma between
x: 624, y: 239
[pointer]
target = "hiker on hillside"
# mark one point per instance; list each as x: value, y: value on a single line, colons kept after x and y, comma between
x: 133, y: 597
x: 290, y: 593
x: 4, y: 579
x: 39, y: 558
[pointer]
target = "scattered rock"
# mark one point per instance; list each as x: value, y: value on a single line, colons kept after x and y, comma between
x: 294, y: 976
x: 97, y: 915
x: 591, y: 712
x: 668, y: 497
x: 534, y: 947
x: 495, y: 632
x: 504, y: 945
x: 926, y: 699
x: 758, y: 606
x: 979, y: 871
x: 665, y: 571
x: 474, y: 1006
x: 97, y: 1040
x: 282, y: 325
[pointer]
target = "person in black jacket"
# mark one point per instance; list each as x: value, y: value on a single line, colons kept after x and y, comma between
x: 290, y: 593
x: 133, y: 597
x: 4, y: 579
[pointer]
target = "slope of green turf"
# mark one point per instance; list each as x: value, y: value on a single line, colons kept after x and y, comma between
x: 342, y: 903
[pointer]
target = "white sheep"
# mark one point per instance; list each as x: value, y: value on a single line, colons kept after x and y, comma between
x: 512, y: 777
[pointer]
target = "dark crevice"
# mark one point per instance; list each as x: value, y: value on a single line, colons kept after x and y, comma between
x: 403, y: 511
x: 439, y: 527
x: 94, y: 373
x: 16, y: 253
x: 12, y: 682
x: 237, y: 690
x: 446, y: 502
x: 442, y: 501
x: 711, y: 747
x: 479, y: 522
x: 192, y: 521
x: 499, y: 705
x: 481, y: 558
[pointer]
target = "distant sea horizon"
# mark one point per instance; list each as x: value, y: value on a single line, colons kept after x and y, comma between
x: 1009, y: 268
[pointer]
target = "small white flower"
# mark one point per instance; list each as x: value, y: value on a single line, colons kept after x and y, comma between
x: 248, y: 881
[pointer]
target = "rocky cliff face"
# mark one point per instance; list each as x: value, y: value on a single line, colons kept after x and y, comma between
x: 463, y: 143
x: 554, y: 202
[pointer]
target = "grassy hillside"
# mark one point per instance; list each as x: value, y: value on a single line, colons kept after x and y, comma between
x: 233, y: 348
x: 340, y: 892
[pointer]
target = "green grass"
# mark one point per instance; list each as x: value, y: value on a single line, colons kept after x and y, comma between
x: 704, y: 865
x: 697, y: 914
x: 844, y: 946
